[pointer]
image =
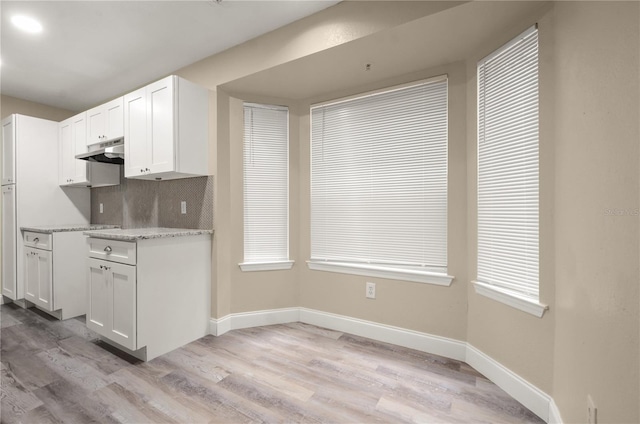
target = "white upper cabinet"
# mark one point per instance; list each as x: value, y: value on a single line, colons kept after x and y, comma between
x: 105, y: 122
x: 80, y: 173
x: 135, y: 142
x: 73, y: 133
x: 166, y: 130
x: 8, y: 152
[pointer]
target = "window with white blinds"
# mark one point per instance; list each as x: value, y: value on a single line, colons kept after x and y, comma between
x: 266, y: 185
x: 508, y: 168
x: 379, y: 182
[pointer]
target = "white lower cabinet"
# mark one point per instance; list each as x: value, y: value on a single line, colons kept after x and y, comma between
x: 111, y: 310
x: 150, y: 296
x: 38, y: 276
x: 53, y: 275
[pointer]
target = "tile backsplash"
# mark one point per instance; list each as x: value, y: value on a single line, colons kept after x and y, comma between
x: 143, y: 204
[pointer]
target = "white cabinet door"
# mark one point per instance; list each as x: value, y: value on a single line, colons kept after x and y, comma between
x: 8, y: 152
x: 114, y: 119
x: 73, y: 136
x: 79, y: 134
x: 135, y: 133
x: 95, y: 125
x: 38, y: 277
x: 105, y: 122
x: 30, y: 274
x: 9, y: 260
x: 67, y: 151
x: 160, y: 115
x: 97, y: 304
x: 123, y: 305
x: 111, y: 308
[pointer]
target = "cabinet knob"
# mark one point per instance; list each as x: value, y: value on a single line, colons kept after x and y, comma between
x: 35, y: 240
x: 108, y: 249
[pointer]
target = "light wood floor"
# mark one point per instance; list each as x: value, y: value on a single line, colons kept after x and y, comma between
x: 59, y: 372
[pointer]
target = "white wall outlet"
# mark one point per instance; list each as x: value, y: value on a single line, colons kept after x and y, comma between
x: 183, y: 207
x: 371, y: 290
x: 592, y: 411
x: 101, y: 208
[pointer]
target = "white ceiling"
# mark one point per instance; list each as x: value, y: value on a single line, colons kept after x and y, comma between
x: 91, y: 51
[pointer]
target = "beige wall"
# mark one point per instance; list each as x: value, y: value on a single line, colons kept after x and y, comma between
x: 587, y: 343
x: 568, y: 353
x: 597, y: 277
x: 416, y: 306
x: 235, y: 291
x: 10, y: 105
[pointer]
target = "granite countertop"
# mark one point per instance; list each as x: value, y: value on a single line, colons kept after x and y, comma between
x: 49, y: 229
x: 133, y: 234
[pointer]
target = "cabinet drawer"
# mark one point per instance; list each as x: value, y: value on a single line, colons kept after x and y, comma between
x: 123, y: 252
x: 38, y: 240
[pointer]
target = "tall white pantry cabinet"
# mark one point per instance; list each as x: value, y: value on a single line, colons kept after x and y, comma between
x: 31, y: 195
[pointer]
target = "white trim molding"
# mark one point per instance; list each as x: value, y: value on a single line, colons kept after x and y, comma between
x: 237, y: 321
x: 424, y: 342
x: 266, y: 266
x: 367, y: 270
x: 508, y: 298
x: 554, y: 413
x: 517, y: 387
x: 520, y: 389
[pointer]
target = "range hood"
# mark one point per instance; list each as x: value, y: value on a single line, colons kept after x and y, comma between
x: 111, y: 151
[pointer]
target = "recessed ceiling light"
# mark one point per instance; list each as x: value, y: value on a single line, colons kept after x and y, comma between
x: 27, y: 24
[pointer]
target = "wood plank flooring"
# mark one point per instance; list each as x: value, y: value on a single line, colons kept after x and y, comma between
x: 60, y: 372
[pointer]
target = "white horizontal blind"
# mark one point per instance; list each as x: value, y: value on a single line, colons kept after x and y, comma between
x: 508, y: 167
x: 379, y: 179
x: 266, y: 183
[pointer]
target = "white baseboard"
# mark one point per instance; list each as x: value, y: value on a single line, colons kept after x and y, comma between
x: 520, y: 389
x: 526, y: 393
x: 424, y: 342
x: 554, y: 413
x: 253, y: 319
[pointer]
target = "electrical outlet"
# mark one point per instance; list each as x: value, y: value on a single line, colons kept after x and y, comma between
x: 371, y: 290
x: 592, y: 411
x: 183, y: 207
x: 101, y: 208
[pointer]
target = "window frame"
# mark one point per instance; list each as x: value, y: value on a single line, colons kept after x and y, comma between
x: 265, y: 264
x: 412, y: 274
x: 514, y: 298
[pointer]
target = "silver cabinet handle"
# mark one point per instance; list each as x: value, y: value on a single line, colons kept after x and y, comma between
x: 108, y: 249
x: 35, y: 240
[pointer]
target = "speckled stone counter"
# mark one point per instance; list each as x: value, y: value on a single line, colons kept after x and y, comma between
x: 133, y: 234
x: 49, y: 229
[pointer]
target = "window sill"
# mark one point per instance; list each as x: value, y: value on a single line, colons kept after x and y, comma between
x: 382, y: 272
x: 265, y: 266
x: 511, y: 299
